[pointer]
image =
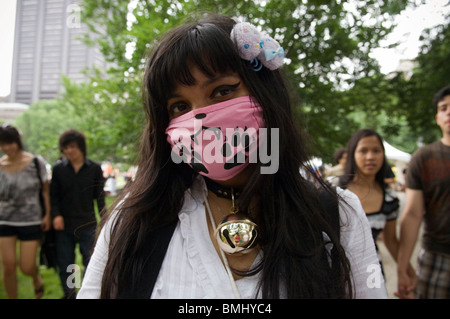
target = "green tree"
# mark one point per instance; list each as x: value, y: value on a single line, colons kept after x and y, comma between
x: 42, y: 124
x: 327, y: 44
x: 432, y: 73
x: 400, y: 107
x: 111, y: 112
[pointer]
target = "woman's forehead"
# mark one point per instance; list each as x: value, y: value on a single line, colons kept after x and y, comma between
x: 211, y: 53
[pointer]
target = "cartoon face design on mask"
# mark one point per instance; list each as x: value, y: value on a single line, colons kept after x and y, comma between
x: 219, y: 140
x: 234, y: 149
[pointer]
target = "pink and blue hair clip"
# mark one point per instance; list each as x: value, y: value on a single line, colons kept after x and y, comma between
x: 256, y: 47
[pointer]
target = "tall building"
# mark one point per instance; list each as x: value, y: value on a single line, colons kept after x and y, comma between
x: 46, y: 45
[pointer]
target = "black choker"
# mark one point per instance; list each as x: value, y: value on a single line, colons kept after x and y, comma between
x: 220, y: 191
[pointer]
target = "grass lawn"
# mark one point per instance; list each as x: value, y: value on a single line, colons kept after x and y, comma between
x: 50, y: 277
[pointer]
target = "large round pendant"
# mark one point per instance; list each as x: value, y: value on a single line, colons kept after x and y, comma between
x: 236, y: 233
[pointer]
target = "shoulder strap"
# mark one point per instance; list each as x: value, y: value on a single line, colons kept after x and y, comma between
x: 38, y: 169
x: 329, y: 203
x: 157, y: 242
x: 154, y: 249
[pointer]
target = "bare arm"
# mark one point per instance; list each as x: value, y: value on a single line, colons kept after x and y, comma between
x: 409, y: 229
x: 390, y: 238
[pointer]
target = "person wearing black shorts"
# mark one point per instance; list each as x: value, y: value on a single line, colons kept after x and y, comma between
x: 21, y: 214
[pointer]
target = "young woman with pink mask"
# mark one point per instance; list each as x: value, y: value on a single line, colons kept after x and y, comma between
x: 219, y: 208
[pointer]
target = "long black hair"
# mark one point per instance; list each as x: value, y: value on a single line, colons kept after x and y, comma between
x: 289, y: 218
x: 351, y: 168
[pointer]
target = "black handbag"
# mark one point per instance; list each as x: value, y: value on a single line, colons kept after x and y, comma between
x: 47, y: 254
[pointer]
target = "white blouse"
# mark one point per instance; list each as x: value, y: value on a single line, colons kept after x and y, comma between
x: 192, y: 269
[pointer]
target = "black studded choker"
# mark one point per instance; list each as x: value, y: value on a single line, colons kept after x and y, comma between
x: 219, y: 190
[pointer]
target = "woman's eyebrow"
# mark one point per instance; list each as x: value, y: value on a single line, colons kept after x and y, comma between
x: 214, y: 80
x: 203, y: 85
x: 173, y: 96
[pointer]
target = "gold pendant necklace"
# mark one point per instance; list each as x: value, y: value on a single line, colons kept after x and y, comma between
x: 236, y: 233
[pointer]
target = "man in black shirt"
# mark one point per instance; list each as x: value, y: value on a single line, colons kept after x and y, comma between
x: 77, y: 183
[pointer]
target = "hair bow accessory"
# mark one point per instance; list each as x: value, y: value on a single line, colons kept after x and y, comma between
x: 271, y: 54
x: 257, y: 47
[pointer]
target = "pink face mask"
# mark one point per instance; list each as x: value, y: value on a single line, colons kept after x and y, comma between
x: 219, y: 140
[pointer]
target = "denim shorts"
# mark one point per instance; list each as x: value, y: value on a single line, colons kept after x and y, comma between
x: 22, y: 232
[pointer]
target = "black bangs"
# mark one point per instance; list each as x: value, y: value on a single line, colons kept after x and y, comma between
x: 9, y: 134
x: 172, y: 62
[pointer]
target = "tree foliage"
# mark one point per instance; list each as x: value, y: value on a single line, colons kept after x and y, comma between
x: 336, y: 86
x: 327, y: 45
x: 42, y: 124
x: 400, y: 106
x: 432, y: 73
